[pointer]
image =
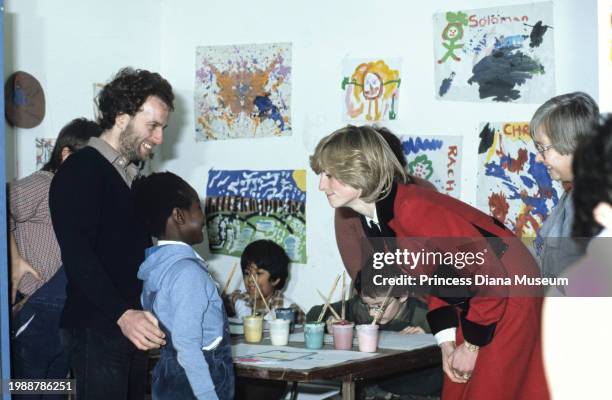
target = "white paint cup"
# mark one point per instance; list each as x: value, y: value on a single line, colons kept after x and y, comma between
x: 367, y: 336
x: 279, y: 332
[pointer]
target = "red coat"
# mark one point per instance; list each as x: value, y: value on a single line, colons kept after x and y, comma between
x: 349, y: 233
x: 509, y: 364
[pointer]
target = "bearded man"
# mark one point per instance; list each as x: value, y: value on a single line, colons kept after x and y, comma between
x: 104, y: 330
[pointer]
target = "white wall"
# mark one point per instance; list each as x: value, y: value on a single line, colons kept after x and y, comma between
x: 323, y: 33
x: 604, y: 11
x: 71, y: 47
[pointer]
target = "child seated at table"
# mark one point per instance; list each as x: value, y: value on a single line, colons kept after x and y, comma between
x: 196, y: 362
x: 269, y: 264
x: 404, y: 314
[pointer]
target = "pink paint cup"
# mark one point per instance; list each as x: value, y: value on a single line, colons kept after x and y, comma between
x: 343, y: 335
x: 367, y: 337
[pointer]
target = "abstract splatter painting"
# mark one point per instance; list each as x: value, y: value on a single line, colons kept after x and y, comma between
x: 512, y: 186
x: 243, y: 206
x: 44, y: 148
x: 436, y: 159
x: 371, y: 89
x: 243, y: 91
x: 500, y: 54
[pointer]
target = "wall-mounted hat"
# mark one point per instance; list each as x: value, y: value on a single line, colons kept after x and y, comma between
x: 24, y: 100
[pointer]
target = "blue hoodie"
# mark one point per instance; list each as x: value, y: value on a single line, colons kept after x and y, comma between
x: 179, y: 290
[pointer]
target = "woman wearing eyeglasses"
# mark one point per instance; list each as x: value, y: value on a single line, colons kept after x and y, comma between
x: 557, y: 128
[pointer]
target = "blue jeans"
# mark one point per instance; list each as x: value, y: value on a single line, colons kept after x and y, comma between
x: 170, y: 380
x: 37, y: 353
x: 105, y: 363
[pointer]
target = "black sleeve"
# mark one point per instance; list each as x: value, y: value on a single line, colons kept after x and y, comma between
x: 442, y: 318
x: 75, y: 205
x: 477, y: 334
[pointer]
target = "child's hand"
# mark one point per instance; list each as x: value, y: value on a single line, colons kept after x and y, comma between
x: 411, y: 330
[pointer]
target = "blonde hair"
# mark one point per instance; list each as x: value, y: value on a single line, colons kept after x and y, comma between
x: 359, y: 157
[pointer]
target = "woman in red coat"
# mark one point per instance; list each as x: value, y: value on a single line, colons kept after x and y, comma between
x: 490, y: 345
x: 348, y: 224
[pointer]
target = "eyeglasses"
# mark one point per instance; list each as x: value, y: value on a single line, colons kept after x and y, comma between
x: 376, y: 308
x: 542, y: 149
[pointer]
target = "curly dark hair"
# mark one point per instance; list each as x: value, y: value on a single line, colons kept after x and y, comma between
x: 156, y: 195
x: 128, y: 91
x: 592, y: 167
x: 268, y: 255
x: 74, y: 135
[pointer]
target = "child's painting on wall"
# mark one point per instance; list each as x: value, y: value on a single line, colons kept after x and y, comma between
x: 500, y: 54
x: 243, y: 91
x: 243, y: 206
x: 512, y: 186
x: 371, y: 89
x: 436, y: 159
x: 44, y: 148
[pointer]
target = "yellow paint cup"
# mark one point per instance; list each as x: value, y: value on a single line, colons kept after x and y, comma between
x: 253, y: 328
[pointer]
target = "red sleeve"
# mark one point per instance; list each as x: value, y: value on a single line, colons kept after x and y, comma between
x: 439, y: 218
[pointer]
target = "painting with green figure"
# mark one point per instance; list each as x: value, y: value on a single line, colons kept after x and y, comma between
x: 495, y: 54
x: 371, y: 89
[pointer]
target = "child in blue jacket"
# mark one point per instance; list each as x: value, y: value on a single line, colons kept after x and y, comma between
x: 196, y: 362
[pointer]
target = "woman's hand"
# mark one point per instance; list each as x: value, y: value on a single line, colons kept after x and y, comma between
x: 411, y: 330
x: 20, y: 267
x: 448, y: 352
x: 463, y: 363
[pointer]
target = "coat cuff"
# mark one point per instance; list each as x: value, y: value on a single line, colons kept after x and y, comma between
x: 442, y: 318
x: 477, y: 334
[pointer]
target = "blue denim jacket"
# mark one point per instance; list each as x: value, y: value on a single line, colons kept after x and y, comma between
x: 179, y: 290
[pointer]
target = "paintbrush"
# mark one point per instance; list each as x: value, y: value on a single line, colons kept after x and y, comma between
x: 331, y: 309
x: 381, y: 310
x: 343, y: 295
x: 229, y: 279
x: 331, y: 292
x: 263, y: 298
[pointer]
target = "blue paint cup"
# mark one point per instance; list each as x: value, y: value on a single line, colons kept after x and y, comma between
x: 288, y: 314
x: 313, y: 335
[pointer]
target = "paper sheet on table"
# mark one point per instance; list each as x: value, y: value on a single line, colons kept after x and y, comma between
x: 386, y: 340
x: 291, y: 357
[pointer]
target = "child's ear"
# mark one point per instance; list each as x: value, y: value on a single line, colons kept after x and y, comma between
x: 178, y: 215
x: 275, y: 282
x: 403, y: 299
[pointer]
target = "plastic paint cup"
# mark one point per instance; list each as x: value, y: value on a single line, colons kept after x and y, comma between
x: 279, y: 332
x: 343, y: 335
x: 367, y: 336
x: 253, y: 328
x: 313, y: 335
x: 287, y: 313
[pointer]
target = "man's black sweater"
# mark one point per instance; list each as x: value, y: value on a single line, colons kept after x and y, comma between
x: 101, y: 240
